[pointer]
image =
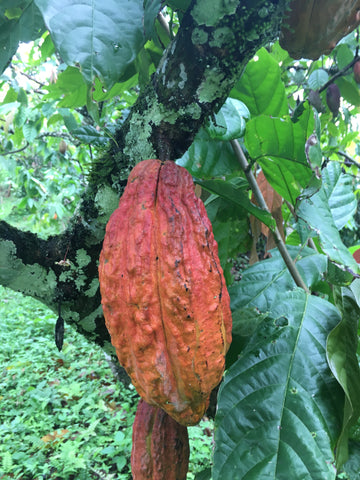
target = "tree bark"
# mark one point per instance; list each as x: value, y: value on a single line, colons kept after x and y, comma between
x: 196, y: 74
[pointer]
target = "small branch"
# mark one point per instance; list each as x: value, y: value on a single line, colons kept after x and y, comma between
x: 340, y: 73
x: 15, y: 151
x: 24, y: 74
x: 262, y: 204
x: 348, y: 158
x: 63, y: 135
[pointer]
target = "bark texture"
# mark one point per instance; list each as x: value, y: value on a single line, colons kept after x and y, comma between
x: 215, y: 41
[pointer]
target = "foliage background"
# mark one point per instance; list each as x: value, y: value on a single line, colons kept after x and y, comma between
x: 293, y: 375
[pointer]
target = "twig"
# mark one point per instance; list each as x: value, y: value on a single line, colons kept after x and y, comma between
x: 17, y: 70
x: 340, y: 73
x: 262, y: 204
x: 348, y: 158
x: 15, y: 151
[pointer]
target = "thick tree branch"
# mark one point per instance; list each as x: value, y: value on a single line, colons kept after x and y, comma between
x: 197, y: 72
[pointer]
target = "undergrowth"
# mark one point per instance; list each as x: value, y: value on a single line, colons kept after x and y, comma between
x: 63, y: 416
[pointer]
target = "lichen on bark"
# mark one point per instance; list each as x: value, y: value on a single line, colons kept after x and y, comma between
x: 192, y: 81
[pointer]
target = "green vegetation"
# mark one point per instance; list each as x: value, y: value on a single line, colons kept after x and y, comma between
x: 63, y: 415
x: 82, y: 99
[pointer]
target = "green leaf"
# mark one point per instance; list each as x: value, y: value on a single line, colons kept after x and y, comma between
x: 70, y: 121
x: 315, y: 212
x: 90, y: 135
x: 234, y: 194
x: 151, y: 10
x: 260, y: 87
x: 278, y: 145
x: 261, y: 282
x: 278, y: 407
x: 231, y: 231
x: 352, y: 466
x: 207, y: 158
x: 8, y: 107
x: 30, y: 131
x: 317, y: 79
x: 230, y: 121
x: 102, y: 37
x: 70, y: 88
x: 344, y: 55
x: 204, y: 474
x: 341, y: 351
x: 27, y: 25
x: 349, y: 90
x: 339, y: 191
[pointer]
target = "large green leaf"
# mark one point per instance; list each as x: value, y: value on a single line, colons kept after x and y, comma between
x: 260, y: 87
x: 230, y: 122
x: 231, y: 230
x: 234, y: 194
x: 208, y: 158
x: 340, y: 193
x: 102, y: 37
x: 279, y: 405
x: 341, y: 350
x: 349, y: 89
x: 352, y: 466
x: 260, y: 282
x: 315, y: 212
x: 70, y: 88
x: 278, y: 145
x: 20, y: 21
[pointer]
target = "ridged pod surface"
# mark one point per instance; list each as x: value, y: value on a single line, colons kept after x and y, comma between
x: 164, y: 296
x: 313, y: 27
x: 160, y: 445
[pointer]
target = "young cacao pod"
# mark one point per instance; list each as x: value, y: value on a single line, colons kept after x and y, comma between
x: 333, y: 99
x: 163, y: 292
x: 313, y: 27
x: 160, y: 445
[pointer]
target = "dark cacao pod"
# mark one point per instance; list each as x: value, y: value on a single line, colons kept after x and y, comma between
x: 356, y: 71
x: 164, y: 296
x: 333, y: 99
x: 160, y: 445
x: 313, y: 27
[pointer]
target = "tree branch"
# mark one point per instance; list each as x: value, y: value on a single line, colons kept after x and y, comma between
x: 262, y: 204
x: 193, y: 79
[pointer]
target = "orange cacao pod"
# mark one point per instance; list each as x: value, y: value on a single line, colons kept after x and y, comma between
x: 163, y: 292
x: 313, y: 27
x: 160, y: 445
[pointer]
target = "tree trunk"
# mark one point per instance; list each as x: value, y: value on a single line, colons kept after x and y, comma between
x: 196, y: 74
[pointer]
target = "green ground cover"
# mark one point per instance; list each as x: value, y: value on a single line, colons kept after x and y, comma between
x: 63, y: 416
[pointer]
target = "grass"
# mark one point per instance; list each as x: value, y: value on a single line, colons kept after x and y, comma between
x: 63, y: 416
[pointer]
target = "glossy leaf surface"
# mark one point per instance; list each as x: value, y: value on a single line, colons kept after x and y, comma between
x: 102, y: 37
x: 278, y: 405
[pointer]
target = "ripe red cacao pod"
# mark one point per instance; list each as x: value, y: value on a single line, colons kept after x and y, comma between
x: 160, y: 445
x: 333, y: 99
x: 313, y: 27
x: 356, y: 71
x: 164, y: 296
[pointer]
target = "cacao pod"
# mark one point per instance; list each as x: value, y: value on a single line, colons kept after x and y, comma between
x: 313, y: 27
x: 160, y: 445
x: 163, y: 292
x: 356, y: 71
x: 333, y: 99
